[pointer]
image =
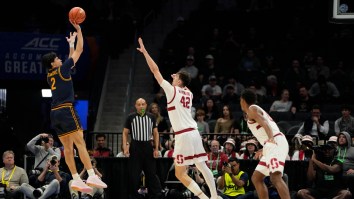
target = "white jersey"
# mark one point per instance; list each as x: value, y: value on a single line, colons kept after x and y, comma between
x: 179, y: 107
x: 258, y: 131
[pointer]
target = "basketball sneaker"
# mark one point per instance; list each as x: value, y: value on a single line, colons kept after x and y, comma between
x: 79, y: 185
x: 95, y: 181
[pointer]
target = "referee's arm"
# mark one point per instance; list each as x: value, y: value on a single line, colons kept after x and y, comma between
x: 125, y: 142
x: 156, y: 142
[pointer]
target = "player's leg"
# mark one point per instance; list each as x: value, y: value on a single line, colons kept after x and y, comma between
x: 80, y: 144
x: 208, y: 177
x: 280, y: 185
x: 78, y: 140
x: 68, y: 145
x: 77, y: 183
x: 277, y: 155
x: 181, y: 174
x: 258, y: 182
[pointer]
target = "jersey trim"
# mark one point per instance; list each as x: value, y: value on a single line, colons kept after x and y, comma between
x: 174, y: 95
x: 62, y: 77
x: 184, y: 131
x: 195, y: 156
x: 171, y: 108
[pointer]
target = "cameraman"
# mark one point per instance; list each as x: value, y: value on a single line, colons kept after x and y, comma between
x: 41, y: 152
x: 233, y: 181
x: 52, y: 181
x: 326, y: 176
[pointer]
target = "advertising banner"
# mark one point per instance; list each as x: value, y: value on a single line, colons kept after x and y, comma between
x: 21, y: 53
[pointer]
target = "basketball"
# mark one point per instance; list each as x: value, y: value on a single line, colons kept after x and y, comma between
x: 77, y: 15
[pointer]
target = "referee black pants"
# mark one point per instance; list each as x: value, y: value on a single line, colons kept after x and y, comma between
x: 142, y: 159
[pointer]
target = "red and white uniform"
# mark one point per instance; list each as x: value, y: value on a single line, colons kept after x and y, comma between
x: 188, y: 143
x: 274, y: 155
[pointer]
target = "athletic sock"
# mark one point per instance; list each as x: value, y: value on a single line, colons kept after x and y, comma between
x: 194, y: 188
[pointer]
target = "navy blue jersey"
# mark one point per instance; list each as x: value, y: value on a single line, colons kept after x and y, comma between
x: 61, y: 84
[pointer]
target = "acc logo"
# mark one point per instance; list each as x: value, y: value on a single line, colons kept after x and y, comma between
x: 42, y: 43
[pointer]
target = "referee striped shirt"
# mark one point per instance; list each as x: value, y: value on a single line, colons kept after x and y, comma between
x: 141, y: 127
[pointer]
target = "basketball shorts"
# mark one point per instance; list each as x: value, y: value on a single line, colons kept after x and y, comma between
x: 65, y: 120
x: 189, y: 148
x: 274, y: 156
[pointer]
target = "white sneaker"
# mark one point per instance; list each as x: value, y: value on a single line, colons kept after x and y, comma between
x: 79, y: 185
x: 95, y: 181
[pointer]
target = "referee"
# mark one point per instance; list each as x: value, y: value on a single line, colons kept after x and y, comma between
x: 142, y: 127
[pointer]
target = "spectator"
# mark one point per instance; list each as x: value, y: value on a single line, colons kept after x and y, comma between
x: 260, y: 90
x: 230, y: 98
x: 315, y: 125
x: 273, y: 89
x: 223, y: 125
x: 295, y: 76
x: 230, y: 148
x: 318, y: 69
x: 190, y: 67
x: 193, y: 71
x: 251, y: 150
x: 303, y: 101
x: 302, y: 149
x: 211, y: 111
x: 101, y: 150
x: 203, y: 127
x: 12, y: 176
x: 345, y: 154
x: 238, y: 87
x: 233, y: 180
x: 160, y: 99
x: 345, y: 122
x: 41, y: 153
x: 213, y: 88
x: 53, y: 182
x: 240, y: 126
x: 325, y: 173
x: 250, y: 62
x: 161, y: 122
x: 324, y: 91
x: 333, y: 140
x: 295, y: 148
x: 142, y: 126
x: 282, y: 105
x: 209, y: 68
x: 215, y: 158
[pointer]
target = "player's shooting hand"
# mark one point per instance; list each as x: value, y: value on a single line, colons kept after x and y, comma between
x: 76, y: 26
x: 142, y: 47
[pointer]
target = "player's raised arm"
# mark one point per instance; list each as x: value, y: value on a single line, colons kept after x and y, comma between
x: 79, y: 48
x: 152, y: 65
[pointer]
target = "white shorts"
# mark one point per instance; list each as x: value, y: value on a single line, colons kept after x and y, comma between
x: 189, y: 148
x: 274, y: 156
